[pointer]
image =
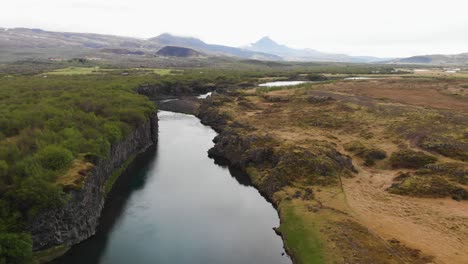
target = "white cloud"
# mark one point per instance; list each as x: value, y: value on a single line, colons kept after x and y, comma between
x: 383, y: 28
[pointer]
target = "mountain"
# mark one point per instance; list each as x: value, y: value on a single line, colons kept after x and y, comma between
x: 456, y: 59
x: 173, y: 51
x: 267, y: 45
x: 189, y: 42
x: 25, y: 43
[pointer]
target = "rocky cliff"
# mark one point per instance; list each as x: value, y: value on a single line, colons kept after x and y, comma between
x: 78, y: 219
x: 252, y: 151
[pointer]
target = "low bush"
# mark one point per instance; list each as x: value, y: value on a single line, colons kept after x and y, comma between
x: 410, y: 159
x: 445, y: 146
x: 369, y: 155
x: 429, y: 186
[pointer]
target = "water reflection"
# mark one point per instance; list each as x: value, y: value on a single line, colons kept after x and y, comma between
x: 174, y: 205
x: 132, y: 179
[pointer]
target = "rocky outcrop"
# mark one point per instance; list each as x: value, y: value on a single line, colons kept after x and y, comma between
x: 78, y: 219
x: 210, y: 117
x: 186, y: 105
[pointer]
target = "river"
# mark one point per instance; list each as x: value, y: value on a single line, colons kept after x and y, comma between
x: 175, y: 205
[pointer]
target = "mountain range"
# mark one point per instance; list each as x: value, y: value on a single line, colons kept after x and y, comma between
x: 24, y: 43
x: 267, y: 45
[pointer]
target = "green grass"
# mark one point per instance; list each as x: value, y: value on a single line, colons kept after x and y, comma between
x: 116, y: 174
x: 75, y: 71
x: 158, y: 71
x: 98, y: 70
x: 301, y: 238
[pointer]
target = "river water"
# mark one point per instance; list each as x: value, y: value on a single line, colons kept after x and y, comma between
x: 175, y: 205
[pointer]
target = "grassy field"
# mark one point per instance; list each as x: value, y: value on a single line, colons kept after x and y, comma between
x: 75, y: 71
x: 98, y: 70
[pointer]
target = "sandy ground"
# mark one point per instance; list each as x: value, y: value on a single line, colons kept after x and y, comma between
x: 438, y: 227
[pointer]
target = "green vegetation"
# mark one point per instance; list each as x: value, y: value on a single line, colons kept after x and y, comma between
x: 74, y: 71
x: 49, y: 254
x: 52, y: 131
x: 410, y: 159
x: 15, y: 248
x: 46, y: 123
x: 98, y: 70
x: 301, y: 237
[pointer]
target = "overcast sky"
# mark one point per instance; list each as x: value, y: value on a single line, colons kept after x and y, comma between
x: 393, y: 28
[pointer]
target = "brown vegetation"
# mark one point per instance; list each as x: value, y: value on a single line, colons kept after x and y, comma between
x: 383, y: 204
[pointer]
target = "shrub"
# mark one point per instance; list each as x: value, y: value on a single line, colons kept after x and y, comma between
x: 35, y: 194
x: 54, y: 157
x: 455, y: 171
x: 429, y: 186
x: 369, y: 155
x: 410, y: 159
x: 15, y: 248
x: 3, y: 168
x: 113, y: 132
x: 316, y: 168
x: 445, y: 146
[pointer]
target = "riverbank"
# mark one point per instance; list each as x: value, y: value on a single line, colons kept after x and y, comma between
x: 55, y: 231
x: 178, y: 206
x: 293, y: 143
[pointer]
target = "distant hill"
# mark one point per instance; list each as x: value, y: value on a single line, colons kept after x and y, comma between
x: 123, y: 51
x: 173, y: 51
x: 457, y: 59
x: 168, y: 39
x: 24, y: 43
x: 267, y: 45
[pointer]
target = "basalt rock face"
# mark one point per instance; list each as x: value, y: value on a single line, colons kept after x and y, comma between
x: 78, y: 219
x: 245, y: 151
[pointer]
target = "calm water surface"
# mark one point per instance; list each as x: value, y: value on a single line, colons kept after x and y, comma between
x: 175, y: 205
x: 281, y: 83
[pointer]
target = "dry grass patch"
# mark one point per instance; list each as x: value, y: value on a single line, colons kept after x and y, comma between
x: 76, y: 174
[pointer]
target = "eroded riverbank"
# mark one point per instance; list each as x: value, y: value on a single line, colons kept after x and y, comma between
x: 177, y: 206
